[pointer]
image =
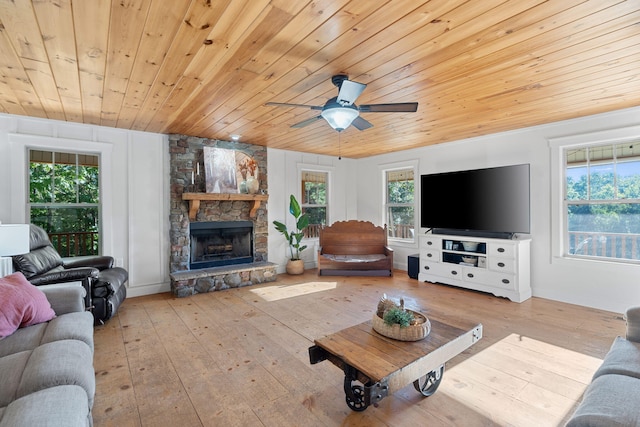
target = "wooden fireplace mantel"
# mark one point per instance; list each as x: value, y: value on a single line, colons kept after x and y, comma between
x: 195, y: 198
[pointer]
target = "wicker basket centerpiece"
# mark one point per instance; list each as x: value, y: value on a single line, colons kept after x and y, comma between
x: 394, y: 321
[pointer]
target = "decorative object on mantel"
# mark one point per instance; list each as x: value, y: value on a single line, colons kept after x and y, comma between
x: 295, y: 265
x: 248, y: 169
x: 396, y: 322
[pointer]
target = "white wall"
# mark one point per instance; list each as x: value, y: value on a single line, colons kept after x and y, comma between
x: 605, y: 285
x: 284, y: 179
x: 134, y: 189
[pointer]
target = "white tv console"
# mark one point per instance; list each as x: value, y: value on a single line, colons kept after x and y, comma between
x: 497, y: 266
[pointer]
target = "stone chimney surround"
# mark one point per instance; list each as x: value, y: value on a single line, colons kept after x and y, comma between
x: 187, y: 176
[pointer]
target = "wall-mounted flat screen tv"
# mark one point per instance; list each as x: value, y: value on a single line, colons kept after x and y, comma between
x: 493, y: 202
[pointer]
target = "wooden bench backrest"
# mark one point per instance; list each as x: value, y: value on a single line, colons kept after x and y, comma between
x: 353, y: 238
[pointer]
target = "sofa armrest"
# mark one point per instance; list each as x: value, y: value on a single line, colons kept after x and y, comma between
x: 61, y: 276
x: 65, y: 298
x: 388, y: 250
x: 633, y: 324
x: 99, y: 262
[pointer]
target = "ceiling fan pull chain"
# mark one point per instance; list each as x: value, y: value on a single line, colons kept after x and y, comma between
x: 339, y: 150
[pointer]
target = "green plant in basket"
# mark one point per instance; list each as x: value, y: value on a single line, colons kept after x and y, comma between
x: 399, y: 316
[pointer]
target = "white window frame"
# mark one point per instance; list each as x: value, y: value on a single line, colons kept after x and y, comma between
x: 396, y: 167
x: 558, y: 148
x: 329, y: 170
x: 19, y: 145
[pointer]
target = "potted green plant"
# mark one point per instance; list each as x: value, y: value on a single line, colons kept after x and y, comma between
x: 295, y: 265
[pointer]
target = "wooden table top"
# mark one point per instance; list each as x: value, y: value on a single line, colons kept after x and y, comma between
x: 379, y: 357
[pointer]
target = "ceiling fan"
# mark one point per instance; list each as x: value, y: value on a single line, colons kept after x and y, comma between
x: 341, y: 112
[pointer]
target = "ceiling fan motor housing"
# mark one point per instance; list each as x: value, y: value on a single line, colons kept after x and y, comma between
x: 338, y: 79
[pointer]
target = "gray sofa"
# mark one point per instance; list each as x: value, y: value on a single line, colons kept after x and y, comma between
x: 46, y: 370
x: 613, y: 397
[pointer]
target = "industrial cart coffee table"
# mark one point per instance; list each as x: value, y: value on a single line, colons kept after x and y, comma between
x: 375, y: 366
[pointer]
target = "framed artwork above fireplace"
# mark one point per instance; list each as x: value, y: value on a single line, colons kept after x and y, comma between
x: 230, y: 171
x: 220, y: 170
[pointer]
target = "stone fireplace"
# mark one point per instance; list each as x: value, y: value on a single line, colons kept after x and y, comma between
x: 224, y: 243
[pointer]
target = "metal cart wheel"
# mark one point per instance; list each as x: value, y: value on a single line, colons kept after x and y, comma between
x: 428, y: 384
x: 354, y: 395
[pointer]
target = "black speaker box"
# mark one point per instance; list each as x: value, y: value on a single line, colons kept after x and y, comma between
x: 413, y: 265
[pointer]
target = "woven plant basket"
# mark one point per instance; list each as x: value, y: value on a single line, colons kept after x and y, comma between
x: 408, y: 333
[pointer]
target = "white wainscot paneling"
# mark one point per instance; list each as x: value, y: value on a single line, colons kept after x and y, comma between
x: 148, y: 248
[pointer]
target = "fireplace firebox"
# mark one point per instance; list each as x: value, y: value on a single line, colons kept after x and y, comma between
x: 220, y: 243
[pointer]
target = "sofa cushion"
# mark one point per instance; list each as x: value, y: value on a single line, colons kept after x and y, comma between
x: 622, y: 359
x: 73, y: 326
x: 609, y: 401
x: 66, y: 362
x: 355, y: 258
x: 77, y: 326
x: 22, y: 304
x: 23, y: 339
x: 11, y: 368
x: 37, y: 261
x: 63, y: 406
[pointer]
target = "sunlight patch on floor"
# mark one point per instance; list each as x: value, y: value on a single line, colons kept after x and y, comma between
x: 278, y: 292
x: 521, y: 381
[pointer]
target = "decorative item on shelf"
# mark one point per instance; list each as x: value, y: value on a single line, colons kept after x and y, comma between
x: 470, y: 246
x: 471, y: 260
x: 395, y: 321
x: 198, y: 183
x: 295, y: 265
x: 248, y: 169
x: 14, y: 240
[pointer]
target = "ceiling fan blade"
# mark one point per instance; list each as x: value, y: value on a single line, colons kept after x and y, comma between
x: 306, y: 122
x: 285, y: 104
x: 402, y: 107
x: 361, y: 124
x: 349, y: 91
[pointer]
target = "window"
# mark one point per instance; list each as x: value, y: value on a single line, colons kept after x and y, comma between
x: 314, y: 200
x: 399, y: 203
x: 602, y: 201
x: 64, y: 199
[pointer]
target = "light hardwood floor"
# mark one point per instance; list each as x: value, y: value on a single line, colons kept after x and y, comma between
x: 240, y: 357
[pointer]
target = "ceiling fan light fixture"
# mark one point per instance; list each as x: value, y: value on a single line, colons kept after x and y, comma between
x: 339, y: 118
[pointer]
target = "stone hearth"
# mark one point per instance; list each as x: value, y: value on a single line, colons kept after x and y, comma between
x: 185, y: 283
x: 185, y: 155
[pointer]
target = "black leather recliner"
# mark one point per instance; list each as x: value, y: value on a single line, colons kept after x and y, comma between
x: 104, y: 283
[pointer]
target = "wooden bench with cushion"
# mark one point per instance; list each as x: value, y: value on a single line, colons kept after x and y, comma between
x: 354, y: 248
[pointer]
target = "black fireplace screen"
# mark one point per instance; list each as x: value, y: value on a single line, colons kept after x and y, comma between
x: 220, y: 243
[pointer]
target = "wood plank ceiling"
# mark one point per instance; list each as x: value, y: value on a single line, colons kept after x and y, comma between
x: 207, y: 67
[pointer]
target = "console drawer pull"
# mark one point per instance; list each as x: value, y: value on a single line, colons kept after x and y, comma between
x: 426, y: 267
x: 454, y: 272
x: 429, y: 255
x: 429, y: 243
x: 470, y: 275
x: 506, y: 281
x: 501, y: 264
x: 500, y: 249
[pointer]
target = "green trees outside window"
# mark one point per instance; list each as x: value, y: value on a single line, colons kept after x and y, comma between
x: 64, y: 197
x: 400, y: 203
x: 602, y: 199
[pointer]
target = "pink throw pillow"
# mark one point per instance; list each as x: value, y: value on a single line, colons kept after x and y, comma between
x: 21, y: 304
